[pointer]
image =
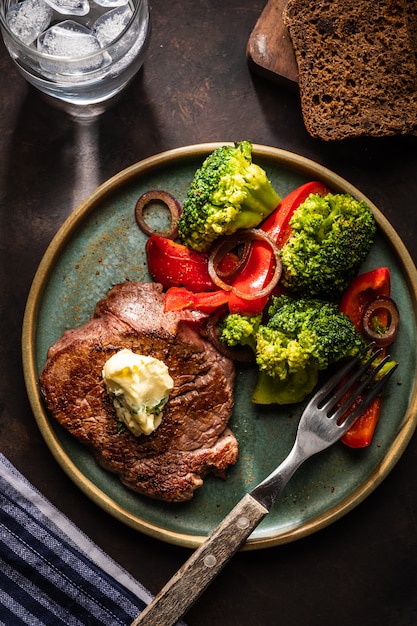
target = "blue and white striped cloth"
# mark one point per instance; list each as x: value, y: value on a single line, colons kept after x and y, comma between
x: 50, y: 572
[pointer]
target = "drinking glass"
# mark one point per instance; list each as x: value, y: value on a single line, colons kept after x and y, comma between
x: 81, y: 52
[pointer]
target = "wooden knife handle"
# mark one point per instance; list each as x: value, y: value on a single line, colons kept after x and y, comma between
x: 202, y: 567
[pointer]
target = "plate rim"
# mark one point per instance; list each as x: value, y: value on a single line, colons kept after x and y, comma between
x: 38, y: 286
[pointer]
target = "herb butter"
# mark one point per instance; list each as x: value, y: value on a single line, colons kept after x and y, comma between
x: 139, y: 386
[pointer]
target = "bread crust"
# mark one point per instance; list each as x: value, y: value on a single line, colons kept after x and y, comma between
x: 357, y: 65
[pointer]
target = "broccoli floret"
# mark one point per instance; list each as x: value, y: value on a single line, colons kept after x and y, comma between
x: 240, y: 330
x: 302, y: 330
x: 228, y: 192
x: 300, y: 338
x: 272, y: 390
x: 331, y: 237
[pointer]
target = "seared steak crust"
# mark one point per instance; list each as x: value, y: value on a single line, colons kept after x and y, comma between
x: 193, y: 438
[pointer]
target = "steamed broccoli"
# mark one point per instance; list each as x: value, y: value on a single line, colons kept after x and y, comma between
x: 228, y: 192
x: 303, y: 331
x: 300, y: 338
x: 331, y: 236
x: 240, y: 330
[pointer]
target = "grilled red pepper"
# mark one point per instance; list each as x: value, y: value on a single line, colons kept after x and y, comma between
x: 360, y: 435
x: 259, y: 267
x: 363, y: 290
x: 171, y: 263
x: 255, y: 275
x: 175, y: 265
x: 180, y: 299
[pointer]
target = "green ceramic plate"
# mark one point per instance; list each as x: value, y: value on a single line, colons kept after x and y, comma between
x: 100, y: 245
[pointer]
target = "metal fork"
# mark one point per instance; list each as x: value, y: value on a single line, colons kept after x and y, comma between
x: 326, y: 418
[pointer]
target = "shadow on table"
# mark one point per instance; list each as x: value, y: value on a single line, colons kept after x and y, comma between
x: 56, y: 159
x: 52, y: 161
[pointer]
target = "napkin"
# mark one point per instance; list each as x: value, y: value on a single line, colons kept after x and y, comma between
x: 51, y: 573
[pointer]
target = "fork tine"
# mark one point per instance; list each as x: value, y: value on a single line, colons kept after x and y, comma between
x: 328, y: 395
x: 356, y: 391
x: 338, y: 393
x: 364, y: 403
x: 337, y: 378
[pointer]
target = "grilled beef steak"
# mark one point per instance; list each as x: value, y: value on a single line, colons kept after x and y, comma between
x: 193, y: 438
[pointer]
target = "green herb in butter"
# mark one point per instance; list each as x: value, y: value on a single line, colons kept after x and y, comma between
x: 139, y: 386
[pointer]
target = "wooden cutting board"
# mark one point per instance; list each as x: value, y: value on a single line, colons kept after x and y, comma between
x: 269, y: 50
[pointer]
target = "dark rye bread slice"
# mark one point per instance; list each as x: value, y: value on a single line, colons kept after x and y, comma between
x: 411, y: 9
x: 356, y: 64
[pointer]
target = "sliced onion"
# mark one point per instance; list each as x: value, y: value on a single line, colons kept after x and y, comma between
x: 267, y: 290
x: 174, y: 207
x: 383, y: 304
x: 229, y: 243
x: 243, y: 354
x: 216, y: 255
x: 230, y: 275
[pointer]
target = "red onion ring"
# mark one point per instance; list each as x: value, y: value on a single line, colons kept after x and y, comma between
x: 215, y: 257
x: 227, y: 244
x: 379, y: 305
x: 174, y: 207
x: 231, y: 274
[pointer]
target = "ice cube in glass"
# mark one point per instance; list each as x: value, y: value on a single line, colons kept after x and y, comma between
x: 28, y: 19
x: 76, y: 45
x: 70, y: 7
x: 111, y: 3
x: 111, y: 24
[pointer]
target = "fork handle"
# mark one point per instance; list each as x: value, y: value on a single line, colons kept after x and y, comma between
x: 203, y: 566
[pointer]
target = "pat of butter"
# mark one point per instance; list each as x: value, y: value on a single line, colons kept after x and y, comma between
x: 139, y: 386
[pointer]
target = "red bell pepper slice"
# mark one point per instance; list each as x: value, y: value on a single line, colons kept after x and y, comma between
x: 360, y: 435
x: 171, y: 263
x: 259, y: 268
x: 174, y: 265
x: 256, y: 273
x: 181, y: 299
x: 363, y: 289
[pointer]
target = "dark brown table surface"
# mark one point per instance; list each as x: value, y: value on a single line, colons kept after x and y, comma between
x: 196, y: 87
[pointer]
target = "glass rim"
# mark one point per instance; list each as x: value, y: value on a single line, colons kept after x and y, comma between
x: 36, y: 54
